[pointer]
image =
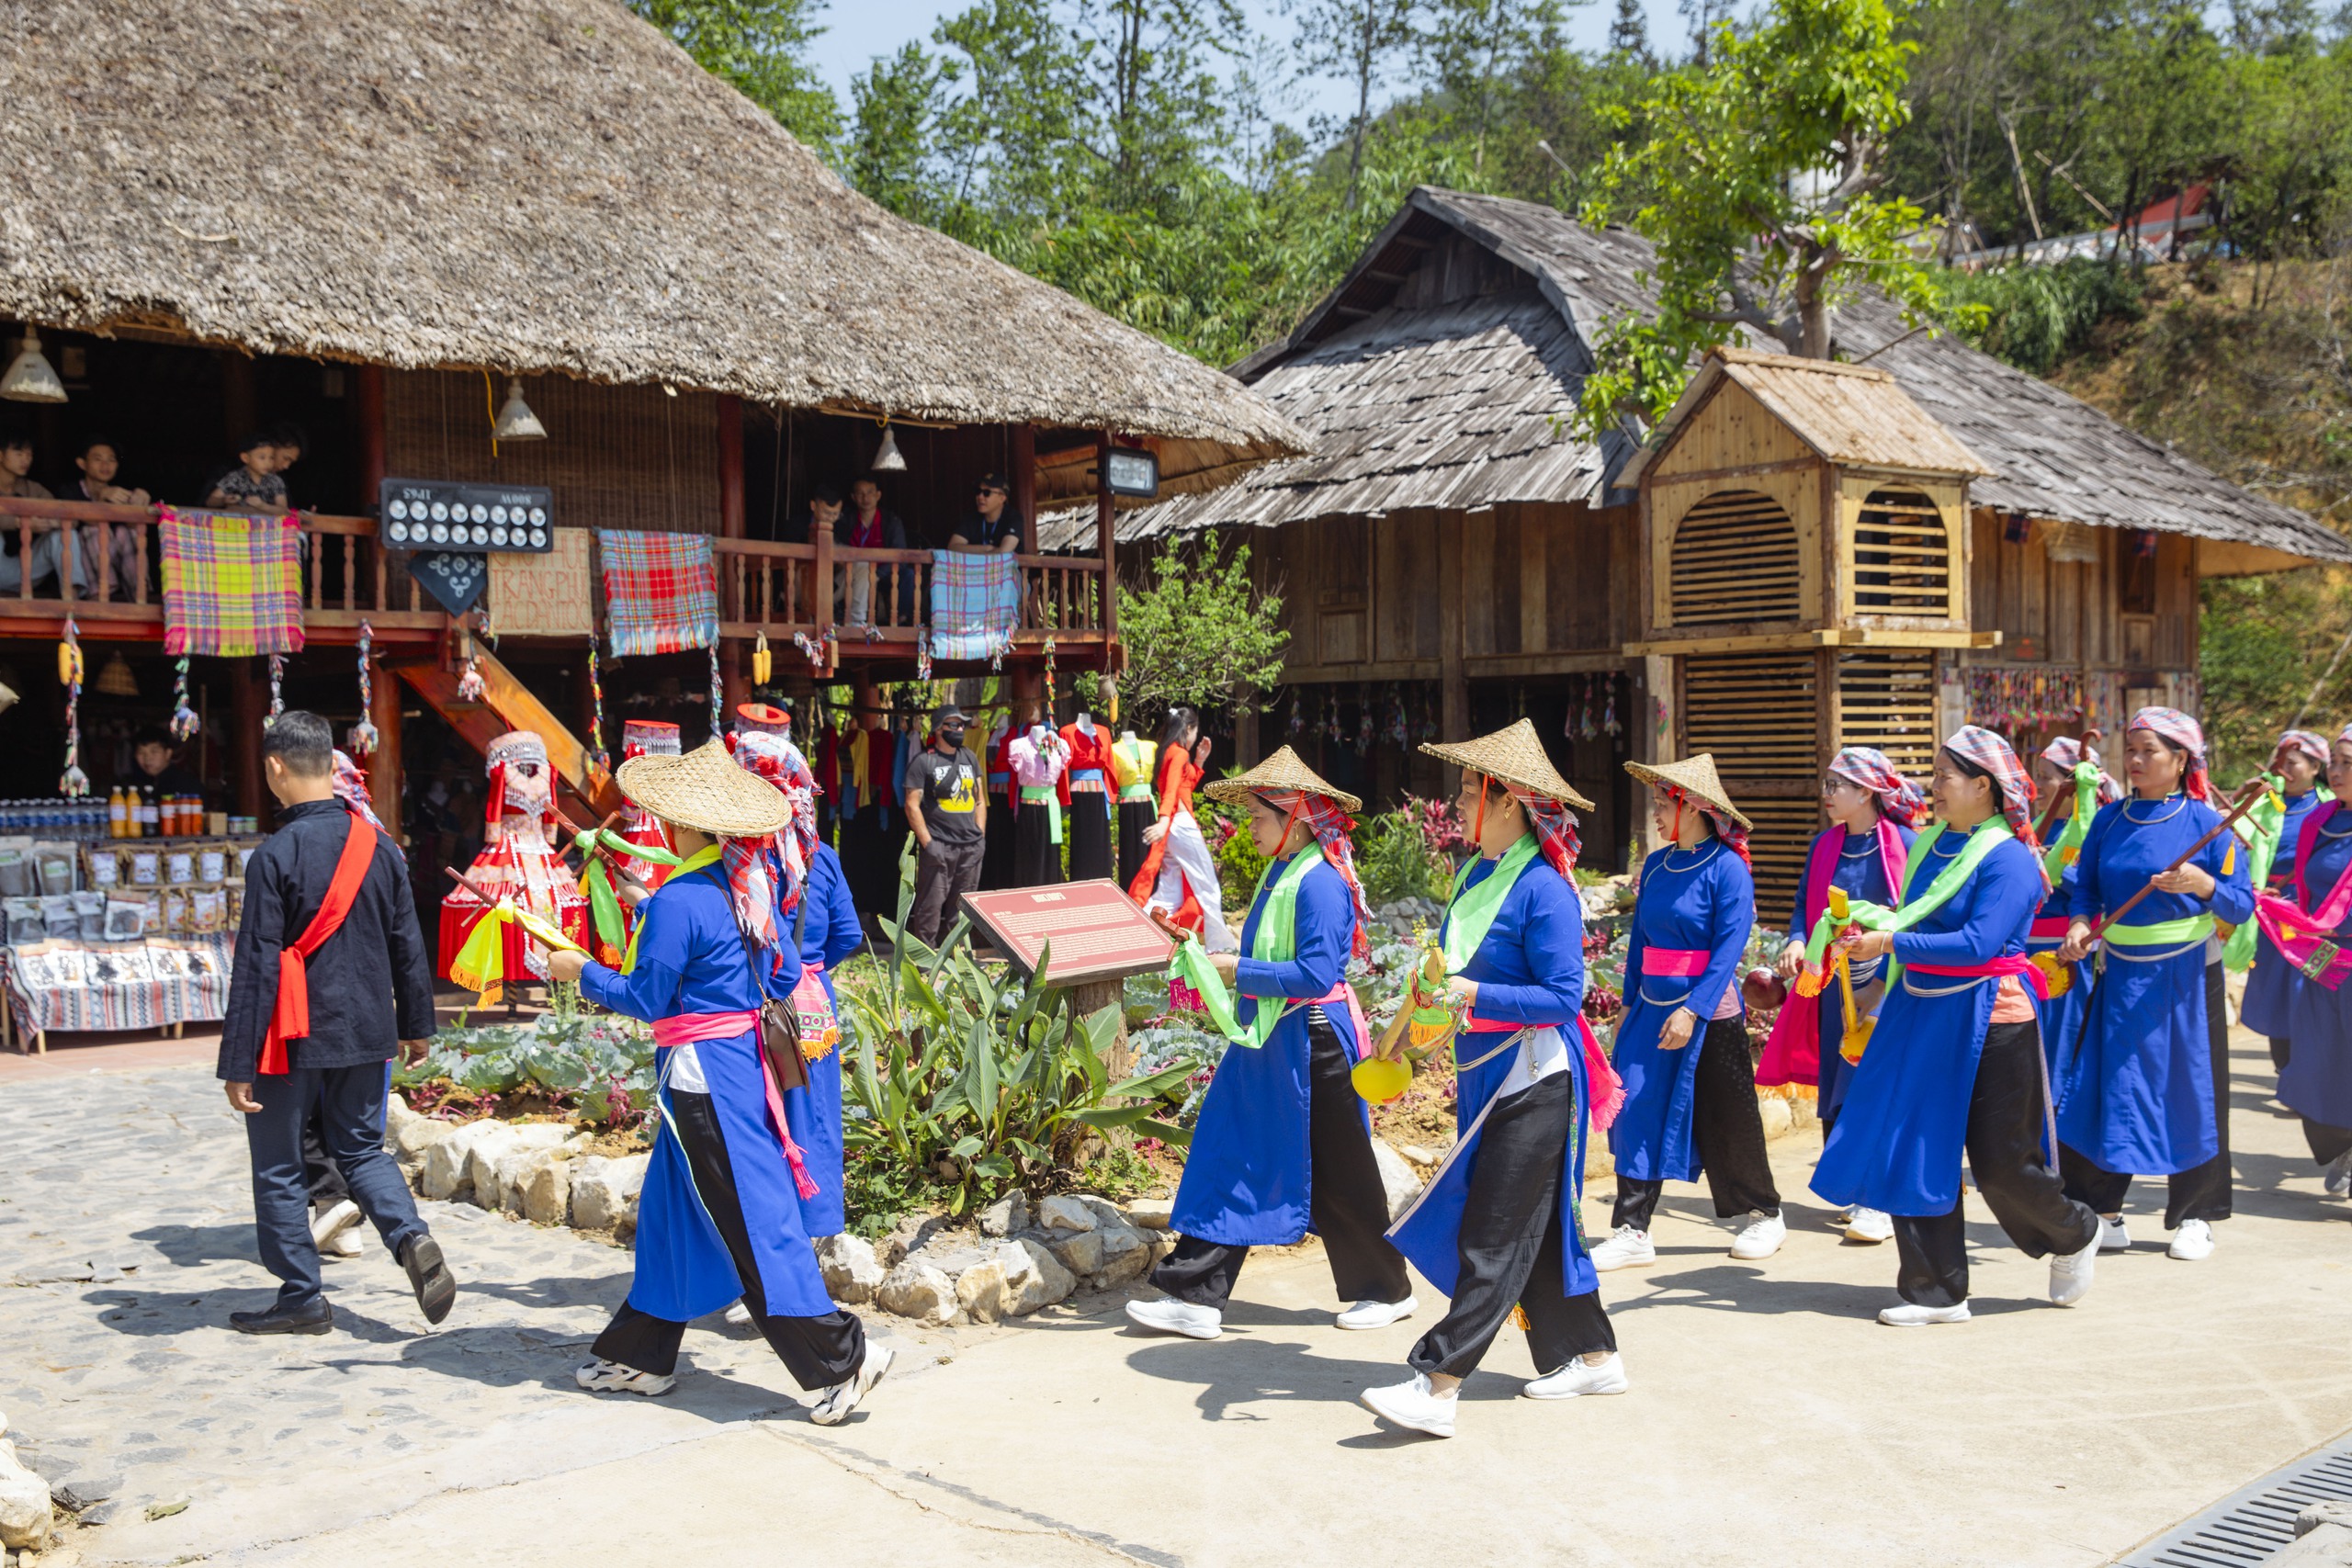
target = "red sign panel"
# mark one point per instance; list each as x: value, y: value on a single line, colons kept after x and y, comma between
x: 1095, y: 929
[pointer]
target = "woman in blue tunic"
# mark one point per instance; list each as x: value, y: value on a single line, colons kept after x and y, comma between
x: 1497, y: 1226
x: 1689, y: 1109
x: 2147, y: 1089
x: 2296, y: 764
x: 1284, y: 1144
x: 719, y: 1216
x: 1871, y: 809
x: 1953, y: 1062
x: 2068, y: 773
x: 2315, y: 1080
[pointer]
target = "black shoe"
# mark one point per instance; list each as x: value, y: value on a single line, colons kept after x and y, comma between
x: 437, y: 1292
x: 315, y: 1318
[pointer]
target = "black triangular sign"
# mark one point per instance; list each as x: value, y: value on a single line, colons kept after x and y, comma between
x: 452, y: 577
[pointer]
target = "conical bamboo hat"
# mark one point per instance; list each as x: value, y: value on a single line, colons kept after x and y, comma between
x: 1694, y: 776
x: 706, y: 791
x: 1283, y: 771
x: 1516, y: 756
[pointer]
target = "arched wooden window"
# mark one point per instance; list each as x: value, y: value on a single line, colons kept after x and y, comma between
x: 1902, y: 557
x: 1735, y: 558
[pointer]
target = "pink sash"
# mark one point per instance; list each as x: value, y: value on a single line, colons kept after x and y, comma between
x: 1673, y: 963
x: 1346, y: 993
x: 689, y: 1027
x: 2306, y: 935
x: 1793, y: 1054
x: 1604, y: 1086
x: 2017, y: 963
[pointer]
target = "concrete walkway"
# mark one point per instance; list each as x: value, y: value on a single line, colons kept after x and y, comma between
x: 1770, y: 1420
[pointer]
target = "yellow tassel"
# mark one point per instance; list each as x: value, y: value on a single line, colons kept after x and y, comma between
x: 2230, y: 857
x: 1519, y: 1319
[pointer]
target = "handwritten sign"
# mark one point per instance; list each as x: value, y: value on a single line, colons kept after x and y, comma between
x: 1095, y: 929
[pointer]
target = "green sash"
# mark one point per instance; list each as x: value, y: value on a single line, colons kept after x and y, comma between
x: 2160, y: 933
x: 2062, y: 852
x: 1275, y: 942
x: 604, y: 903
x: 1469, y: 916
x: 1987, y: 836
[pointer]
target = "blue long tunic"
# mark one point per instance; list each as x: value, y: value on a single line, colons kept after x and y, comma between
x: 2137, y: 1095
x: 1897, y: 1143
x: 1530, y: 971
x: 2316, y: 1082
x: 2271, y: 984
x: 828, y: 936
x: 1701, y: 898
x: 1861, y: 872
x: 2062, y: 1015
x: 690, y: 960
x: 1247, y: 1179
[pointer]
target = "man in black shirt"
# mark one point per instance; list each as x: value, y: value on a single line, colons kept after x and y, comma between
x: 948, y: 810
x: 991, y: 527
x: 158, y: 769
x: 329, y: 937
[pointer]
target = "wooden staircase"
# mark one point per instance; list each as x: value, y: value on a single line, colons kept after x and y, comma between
x: 584, y: 794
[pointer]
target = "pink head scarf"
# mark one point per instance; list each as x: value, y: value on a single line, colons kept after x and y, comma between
x: 351, y: 788
x: 1866, y: 767
x: 2186, y: 733
x: 2302, y: 740
x: 1984, y: 749
x: 1330, y: 825
x: 2065, y: 751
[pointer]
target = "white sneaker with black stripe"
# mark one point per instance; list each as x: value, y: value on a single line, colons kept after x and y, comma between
x: 833, y: 1406
x: 601, y: 1376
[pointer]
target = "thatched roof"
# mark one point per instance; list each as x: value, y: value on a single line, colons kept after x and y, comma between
x: 1849, y: 415
x: 543, y: 187
x: 2053, y: 457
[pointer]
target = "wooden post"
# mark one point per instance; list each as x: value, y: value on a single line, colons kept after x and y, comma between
x: 1106, y: 529
x: 248, y: 711
x: 1023, y: 480
x: 367, y: 408
x: 384, y: 767
x: 1454, y: 693
x: 1093, y: 998
x: 730, y: 527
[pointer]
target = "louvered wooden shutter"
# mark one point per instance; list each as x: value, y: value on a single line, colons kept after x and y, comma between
x: 1758, y: 714
x: 1902, y: 557
x: 1735, y: 558
x: 1888, y: 700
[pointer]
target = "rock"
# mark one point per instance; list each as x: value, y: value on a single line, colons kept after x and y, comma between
x: 546, y: 1190
x: 1118, y: 1270
x: 851, y: 1271
x: 921, y: 1292
x: 490, y: 1142
x: 1151, y: 1213
x: 23, y: 1504
x: 1081, y: 1252
x: 1062, y: 1213
x: 1120, y: 1238
x: 603, y: 1191
x: 496, y: 1167
x: 84, y: 1492
x: 1397, y: 1177
x: 1007, y: 1214
x: 1033, y: 1277
x: 447, y: 1162
x: 408, y: 1134
x: 1417, y: 1155
x: 983, y: 1292
x: 1775, y: 1112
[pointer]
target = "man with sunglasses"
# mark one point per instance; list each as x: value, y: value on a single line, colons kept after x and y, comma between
x: 992, y: 528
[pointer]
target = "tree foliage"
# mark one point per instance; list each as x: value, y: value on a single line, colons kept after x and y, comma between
x: 760, y: 47
x: 1199, y: 631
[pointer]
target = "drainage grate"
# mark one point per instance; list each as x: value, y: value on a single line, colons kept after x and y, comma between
x: 2251, y: 1524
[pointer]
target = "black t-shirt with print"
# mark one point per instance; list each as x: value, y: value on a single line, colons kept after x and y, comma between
x: 950, y: 788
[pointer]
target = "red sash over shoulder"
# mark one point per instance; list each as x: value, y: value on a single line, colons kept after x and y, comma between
x: 290, y: 1020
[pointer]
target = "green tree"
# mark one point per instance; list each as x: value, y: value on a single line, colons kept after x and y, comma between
x: 1360, y: 41
x: 761, y: 48
x: 896, y: 108
x: 1198, y: 630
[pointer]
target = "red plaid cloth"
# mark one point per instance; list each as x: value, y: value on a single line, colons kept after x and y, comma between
x: 660, y: 591
x: 233, y: 585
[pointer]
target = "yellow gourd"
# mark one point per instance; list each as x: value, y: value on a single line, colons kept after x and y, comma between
x: 1380, y: 1079
x: 69, y: 663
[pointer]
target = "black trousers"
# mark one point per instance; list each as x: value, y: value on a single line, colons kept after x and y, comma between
x: 2201, y: 1192
x: 1727, y: 1129
x: 326, y: 1183
x: 2282, y: 1047
x: 1346, y: 1205
x: 1036, y: 859
x: 1510, y: 1248
x: 2328, y: 1144
x: 1135, y: 816
x: 1089, y: 827
x: 996, y: 860
x: 944, y: 872
x: 2007, y: 1162
x: 818, y: 1351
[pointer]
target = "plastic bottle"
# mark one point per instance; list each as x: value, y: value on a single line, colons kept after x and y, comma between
x: 115, y: 812
x: 150, y: 814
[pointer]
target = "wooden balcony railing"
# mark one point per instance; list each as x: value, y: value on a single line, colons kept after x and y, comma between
x: 884, y: 596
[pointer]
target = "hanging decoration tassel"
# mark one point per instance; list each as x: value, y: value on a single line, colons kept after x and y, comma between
x: 1051, y: 708
x: 762, y: 663
x: 470, y: 684
x: 923, y: 655
x: 1609, y: 724
x: 363, y: 733
x: 276, y: 697
x: 184, y: 720
x: 598, y: 758
x: 718, y: 698
x: 73, y: 781
x: 1298, y: 713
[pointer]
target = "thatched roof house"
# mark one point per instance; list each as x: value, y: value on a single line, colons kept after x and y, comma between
x: 552, y: 188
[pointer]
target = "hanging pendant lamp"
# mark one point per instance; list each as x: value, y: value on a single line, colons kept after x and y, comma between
x: 31, y: 378
x: 887, y: 458
x: 515, y: 421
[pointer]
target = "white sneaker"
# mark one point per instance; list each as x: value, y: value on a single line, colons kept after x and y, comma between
x: 1872, y: 1225
x: 2339, y: 1181
x: 739, y: 1317
x: 2192, y: 1243
x: 329, y: 1224
x: 1762, y: 1237
x: 834, y: 1406
x: 1579, y: 1377
x: 1625, y: 1248
x: 1910, y: 1316
x: 1168, y: 1315
x: 610, y: 1377
x: 1377, y: 1314
x: 352, y: 1243
x: 2070, y: 1274
x: 2112, y: 1234
x: 1412, y: 1405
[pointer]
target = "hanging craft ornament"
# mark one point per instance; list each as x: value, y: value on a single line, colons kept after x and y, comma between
x: 277, y: 696
x: 363, y: 733
x: 470, y: 684
x: 598, y: 756
x: 1298, y: 713
x: 718, y: 696
x: 184, y: 720
x: 762, y: 663
x: 1609, y: 724
x: 1050, y: 703
x: 73, y: 781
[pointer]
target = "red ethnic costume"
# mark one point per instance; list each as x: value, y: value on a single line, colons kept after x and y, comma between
x: 1179, y: 874
x: 518, y: 859
x: 647, y: 737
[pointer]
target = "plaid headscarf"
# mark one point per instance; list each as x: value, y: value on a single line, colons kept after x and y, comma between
x: 2065, y: 751
x: 351, y: 788
x: 2302, y: 741
x: 1899, y: 800
x: 768, y: 875
x: 1726, y: 827
x: 769, y: 755
x: 2186, y: 733
x: 1330, y: 825
x: 1986, y: 751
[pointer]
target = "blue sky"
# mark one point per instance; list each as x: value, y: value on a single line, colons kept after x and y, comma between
x: 858, y: 31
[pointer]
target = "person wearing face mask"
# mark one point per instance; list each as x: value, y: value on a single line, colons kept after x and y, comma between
x: 2314, y: 906
x: 2273, y: 828
x: 949, y: 812
x: 1954, y: 1062
x: 2146, y: 1091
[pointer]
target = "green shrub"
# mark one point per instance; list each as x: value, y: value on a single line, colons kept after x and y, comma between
x: 1393, y: 860
x: 2037, y: 316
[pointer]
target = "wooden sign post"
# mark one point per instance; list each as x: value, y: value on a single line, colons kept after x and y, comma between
x: 1097, y: 935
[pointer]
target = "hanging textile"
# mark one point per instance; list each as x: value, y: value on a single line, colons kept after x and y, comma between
x: 544, y: 595
x: 233, y: 585
x: 660, y: 591
x: 975, y: 604
x: 2015, y: 700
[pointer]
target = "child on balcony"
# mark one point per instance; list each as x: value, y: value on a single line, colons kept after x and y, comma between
x: 16, y: 480
x: 253, y: 486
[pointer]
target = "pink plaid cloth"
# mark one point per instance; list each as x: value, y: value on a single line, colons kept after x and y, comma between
x: 660, y: 591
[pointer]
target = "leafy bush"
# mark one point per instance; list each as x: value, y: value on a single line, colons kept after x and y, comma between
x: 1395, y: 857
x: 599, y: 1068
x: 2037, y: 316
